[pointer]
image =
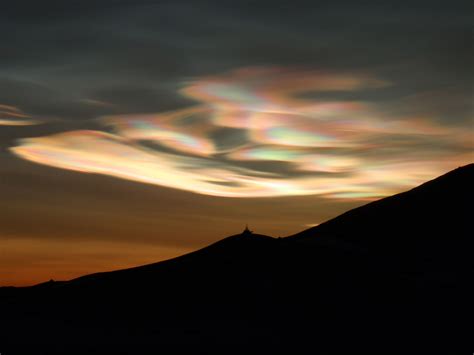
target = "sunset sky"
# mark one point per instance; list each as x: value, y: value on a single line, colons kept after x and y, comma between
x: 132, y: 131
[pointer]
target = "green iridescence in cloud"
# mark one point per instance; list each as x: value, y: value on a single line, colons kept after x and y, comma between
x: 336, y: 148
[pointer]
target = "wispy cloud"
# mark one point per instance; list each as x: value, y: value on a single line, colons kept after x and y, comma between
x: 13, y: 116
x: 349, y: 149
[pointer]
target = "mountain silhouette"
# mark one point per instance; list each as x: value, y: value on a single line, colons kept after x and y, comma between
x: 391, y: 277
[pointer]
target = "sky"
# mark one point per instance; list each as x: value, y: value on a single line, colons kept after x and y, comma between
x: 132, y: 131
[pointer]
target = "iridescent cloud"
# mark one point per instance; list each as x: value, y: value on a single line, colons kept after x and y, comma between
x: 104, y: 153
x: 13, y: 116
x: 342, y: 149
x: 161, y: 129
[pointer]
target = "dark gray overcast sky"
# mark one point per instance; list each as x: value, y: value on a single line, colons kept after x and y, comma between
x: 135, y: 54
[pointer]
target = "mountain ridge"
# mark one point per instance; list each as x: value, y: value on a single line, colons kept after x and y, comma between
x: 321, y: 234
x: 360, y: 277
x: 459, y: 181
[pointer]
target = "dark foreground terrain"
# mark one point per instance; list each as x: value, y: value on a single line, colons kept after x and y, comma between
x: 391, y: 277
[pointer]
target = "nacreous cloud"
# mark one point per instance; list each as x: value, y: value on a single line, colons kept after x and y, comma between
x: 13, y: 116
x: 346, y: 149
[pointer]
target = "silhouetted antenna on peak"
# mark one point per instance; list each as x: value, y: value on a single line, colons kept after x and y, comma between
x: 247, y: 231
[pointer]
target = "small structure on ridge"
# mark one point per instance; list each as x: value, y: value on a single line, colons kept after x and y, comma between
x: 247, y: 231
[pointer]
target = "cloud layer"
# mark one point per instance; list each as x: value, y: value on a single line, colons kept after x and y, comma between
x: 255, y: 134
x: 13, y: 116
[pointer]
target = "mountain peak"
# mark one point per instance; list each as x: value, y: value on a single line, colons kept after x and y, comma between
x: 391, y: 262
x: 435, y: 210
